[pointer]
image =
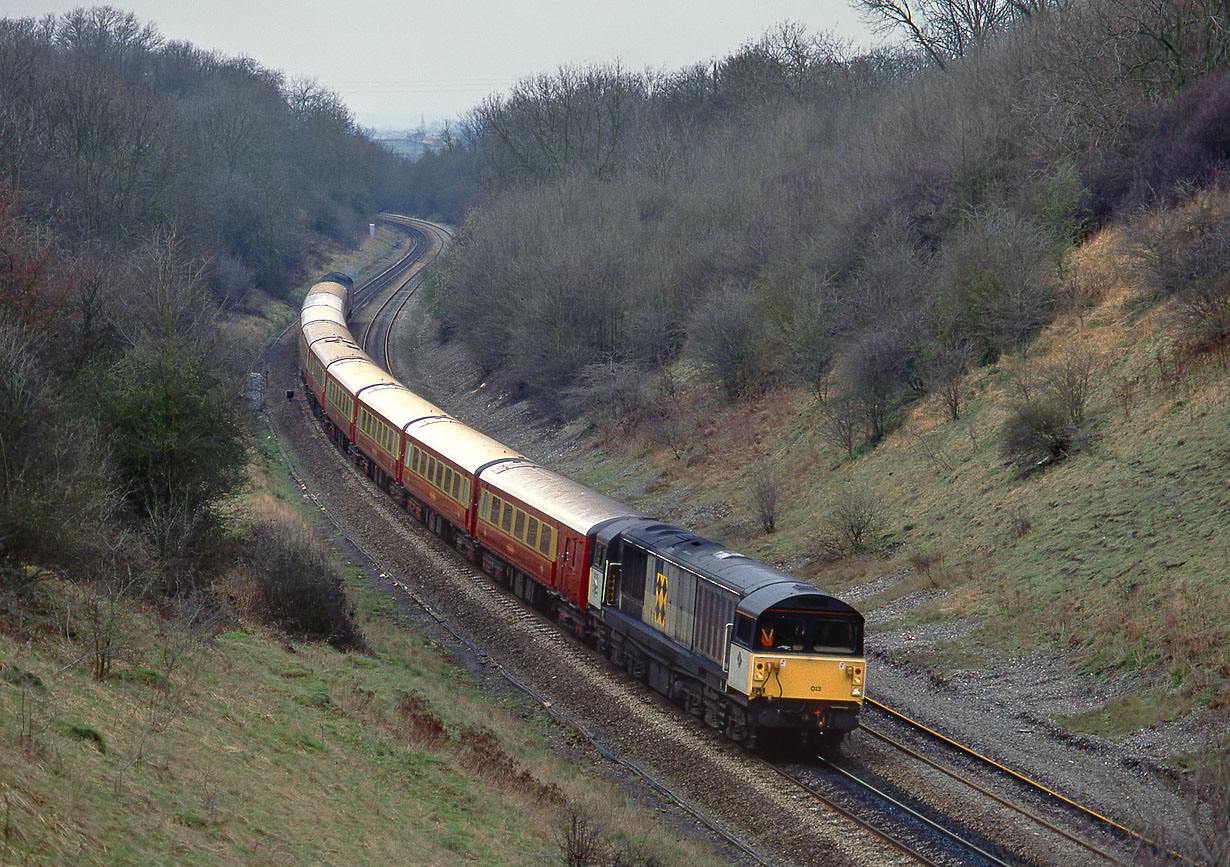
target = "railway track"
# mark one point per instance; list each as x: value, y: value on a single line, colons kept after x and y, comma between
x: 912, y: 843
x: 407, y: 273
x: 907, y: 830
x: 474, y: 591
x: 1067, y: 813
x: 899, y: 816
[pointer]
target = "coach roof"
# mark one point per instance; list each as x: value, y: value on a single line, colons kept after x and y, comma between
x: 573, y: 504
x: 461, y: 444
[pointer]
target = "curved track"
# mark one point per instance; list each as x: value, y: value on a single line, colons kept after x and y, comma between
x: 932, y: 844
x: 910, y: 833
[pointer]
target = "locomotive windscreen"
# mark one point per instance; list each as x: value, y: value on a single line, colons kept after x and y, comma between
x: 808, y: 632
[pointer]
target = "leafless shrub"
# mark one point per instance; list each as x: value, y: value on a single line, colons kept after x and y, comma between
x: 727, y: 341
x: 1048, y: 421
x: 36, y: 709
x: 1084, y: 289
x: 879, y: 365
x: 929, y: 447
x: 1125, y: 391
x: 764, y: 497
x: 612, y: 390
x: 1185, y: 254
x: 193, y: 624
x: 669, y: 424
x: 1070, y: 381
x: 841, y: 422
x: 1201, y: 830
x: 970, y: 427
x: 580, y: 838
x: 586, y: 842
x: 852, y: 521
x: 102, y: 617
x: 924, y: 562
x: 812, y: 342
x: 301, y: 588
x: 996, y: 283
x: 1036, y: 433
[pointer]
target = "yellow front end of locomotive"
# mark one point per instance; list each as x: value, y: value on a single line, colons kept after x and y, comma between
x: 806, y: 677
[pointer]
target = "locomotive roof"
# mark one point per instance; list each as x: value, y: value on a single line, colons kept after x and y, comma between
x: 573, y: 504
x: 398, y: 404
x: 792, y: 595
x: 330, y: 288
x: 758, y: 585
x: 461, y: 444
x: 336, y: 277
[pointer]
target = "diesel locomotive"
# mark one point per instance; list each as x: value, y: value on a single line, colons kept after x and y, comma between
x: 752, y: 650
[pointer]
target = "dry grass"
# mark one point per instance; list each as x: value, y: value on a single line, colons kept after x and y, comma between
x: 265, y: 751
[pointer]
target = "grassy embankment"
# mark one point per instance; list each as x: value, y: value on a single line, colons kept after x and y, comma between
x: 248, y: 746
x: 1115, y: 558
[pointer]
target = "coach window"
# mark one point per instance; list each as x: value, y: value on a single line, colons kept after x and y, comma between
x: 507, y: 517
x: 531, y: 534
x: 519, y: 525
x: 448, y: 480
x: 544, y: 541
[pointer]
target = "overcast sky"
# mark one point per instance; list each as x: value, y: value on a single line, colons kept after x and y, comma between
x: 396, y: 61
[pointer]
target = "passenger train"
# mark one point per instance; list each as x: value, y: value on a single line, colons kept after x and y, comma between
x: 755, y: 652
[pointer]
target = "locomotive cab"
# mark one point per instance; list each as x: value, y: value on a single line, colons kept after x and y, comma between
x: 797, y: 654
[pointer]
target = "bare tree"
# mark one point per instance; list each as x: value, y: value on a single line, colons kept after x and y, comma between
x: 944, y: 368
x: 577, y: 118
x: 728, y: 340
x: 812, y: 339
x: 1070, y: 381
x: 879, y: 366
x: 841, y: 420
x: 948, y: 29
